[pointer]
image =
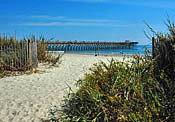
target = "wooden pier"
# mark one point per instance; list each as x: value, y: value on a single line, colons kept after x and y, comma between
x: 81, y: 46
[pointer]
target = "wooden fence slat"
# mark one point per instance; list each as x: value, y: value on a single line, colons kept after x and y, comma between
x: 6, y: 57
x: 25, y: 64
x: 7, y: 52
x: 34, y: 55
x: 15, y: 60
x: 21, y: 50
x: 17, y: 55
x: 2, y: 52
x: 27, y: 56
x: 23, y: 55
x: 10, y: 56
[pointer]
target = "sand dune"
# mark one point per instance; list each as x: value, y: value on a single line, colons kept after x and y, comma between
x: 28, y: 98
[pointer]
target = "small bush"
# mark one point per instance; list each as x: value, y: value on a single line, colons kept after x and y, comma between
x: 43, y: 56
x: 116, y: 92
x: 164, y: 70
x: 164, y: 50
x: 41, y: 49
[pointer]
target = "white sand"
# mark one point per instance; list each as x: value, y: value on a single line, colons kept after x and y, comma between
x: 28, y: 98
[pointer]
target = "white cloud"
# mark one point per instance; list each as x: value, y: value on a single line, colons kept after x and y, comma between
x: 71, y: 24
x: 40, y: 24
x: 44, y: 20
x: 67, y: 19
x: 47, y: 17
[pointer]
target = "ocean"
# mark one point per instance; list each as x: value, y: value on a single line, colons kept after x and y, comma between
x: 138, y: 49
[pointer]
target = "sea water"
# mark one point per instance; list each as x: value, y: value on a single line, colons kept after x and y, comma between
x: 137, y: 49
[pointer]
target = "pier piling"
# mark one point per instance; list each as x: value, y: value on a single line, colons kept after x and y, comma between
x: 81, y: 46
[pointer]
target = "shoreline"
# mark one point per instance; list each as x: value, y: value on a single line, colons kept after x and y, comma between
x: 91, y: 54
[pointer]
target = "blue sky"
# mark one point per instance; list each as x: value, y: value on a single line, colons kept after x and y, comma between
x: 98, y: 20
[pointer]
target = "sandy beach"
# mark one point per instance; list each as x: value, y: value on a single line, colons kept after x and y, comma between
x: 28, y: 98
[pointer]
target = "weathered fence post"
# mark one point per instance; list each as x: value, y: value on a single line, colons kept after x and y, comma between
x: 30, y: 53
x: 34, y: 55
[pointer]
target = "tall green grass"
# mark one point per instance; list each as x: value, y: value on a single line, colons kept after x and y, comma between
x: 164, y: 51
x: 164, y: 70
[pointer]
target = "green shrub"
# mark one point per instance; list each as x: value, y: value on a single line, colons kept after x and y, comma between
x: 43, y: 56
x: 41, y: 52
x: 164, y: 70
x: 141, y: 90
x: 116, y: 92
x: 164, y: 50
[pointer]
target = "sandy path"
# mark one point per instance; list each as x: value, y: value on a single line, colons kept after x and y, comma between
x: 28, y: 98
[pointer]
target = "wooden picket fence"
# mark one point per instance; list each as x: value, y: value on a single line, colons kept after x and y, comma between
x: 20, y: 56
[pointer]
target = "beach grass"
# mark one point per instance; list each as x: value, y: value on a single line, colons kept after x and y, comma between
x: 17, y: 54
x: 120, y: 91
x: 140, y: 90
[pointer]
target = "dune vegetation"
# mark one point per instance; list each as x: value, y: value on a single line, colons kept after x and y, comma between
x: 13, y: 55
x: 140, y: 90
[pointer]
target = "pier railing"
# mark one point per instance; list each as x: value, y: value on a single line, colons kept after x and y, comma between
x: 80, y: 46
